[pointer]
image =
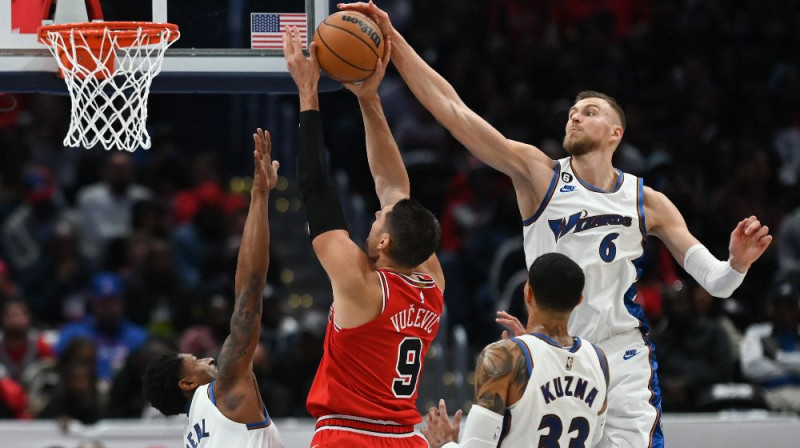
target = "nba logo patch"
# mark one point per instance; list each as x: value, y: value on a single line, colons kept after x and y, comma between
x: 569, y: 362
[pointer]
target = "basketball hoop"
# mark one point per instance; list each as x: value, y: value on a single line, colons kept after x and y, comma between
x: 108, y: 68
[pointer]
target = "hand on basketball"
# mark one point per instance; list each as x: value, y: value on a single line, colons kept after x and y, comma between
x: 369, y: 86
x: 304, y: 71
x: 439, y: 430
x: 748, y: 241
x: 379, y: 16
x: 265, y: 175
x: 513, y: 324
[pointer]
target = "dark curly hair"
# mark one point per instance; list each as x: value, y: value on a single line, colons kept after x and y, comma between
x: 161, y: 384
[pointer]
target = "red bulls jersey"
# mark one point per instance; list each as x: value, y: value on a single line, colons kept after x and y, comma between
x: 372, y: 371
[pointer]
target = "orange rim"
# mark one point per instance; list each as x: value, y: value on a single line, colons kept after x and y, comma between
x: 125, y: 32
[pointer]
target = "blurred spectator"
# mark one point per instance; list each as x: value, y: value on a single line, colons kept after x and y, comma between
x: 716, y: 309
x: 199, y: 243
x: 32, y: 225
x: 106, y: 208
x: 126, y: 399
x: 67, y: 272
x: 693, y: 351
x: 77, y: 396
x: 789, y: 248
x: 22, y: 349
x: 113, y: 335
x: 8, y: 288
x: 770, y: 352
x: 272, y: 391
x: 205, y: 340
x: 13, y: 399
x: 156, y: 297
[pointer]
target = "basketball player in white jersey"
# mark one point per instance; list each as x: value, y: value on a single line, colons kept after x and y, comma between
x: 545, y: 388
x: 583, y: 207
x: 222, y: 399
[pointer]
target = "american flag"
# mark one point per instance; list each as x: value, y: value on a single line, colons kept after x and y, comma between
x: 266, y: 29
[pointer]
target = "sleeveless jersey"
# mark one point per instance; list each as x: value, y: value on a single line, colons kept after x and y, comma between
x: 566, y: 389
x: 372, y: 371
x: 604, y: 232
x: 209, y: 428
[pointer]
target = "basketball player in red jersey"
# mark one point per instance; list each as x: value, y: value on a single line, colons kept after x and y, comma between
x: 387, y: 301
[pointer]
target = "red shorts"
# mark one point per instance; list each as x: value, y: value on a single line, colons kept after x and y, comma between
x: 349, y: 433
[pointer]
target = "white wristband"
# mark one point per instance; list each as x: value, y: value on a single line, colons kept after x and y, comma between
x: 717, y: 277
x: 482, y: 429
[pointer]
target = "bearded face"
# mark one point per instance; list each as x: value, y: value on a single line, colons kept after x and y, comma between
x: 577, y: 142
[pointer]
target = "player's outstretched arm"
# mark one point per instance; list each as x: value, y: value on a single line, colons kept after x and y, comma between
x: 345, y: 263
x: 522, y: 162
x: 383, y: 155
x: 748, y: 242
x: 235, y: 361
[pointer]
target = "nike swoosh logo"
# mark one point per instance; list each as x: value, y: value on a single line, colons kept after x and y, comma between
x: 629, y: 354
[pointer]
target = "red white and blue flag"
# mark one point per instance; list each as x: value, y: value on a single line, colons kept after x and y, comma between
x: 266, y: 29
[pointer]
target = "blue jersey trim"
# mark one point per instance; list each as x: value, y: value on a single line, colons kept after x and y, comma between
x: 656, y: 435
x: 640, y: 203
x: 211, y: 393
x: 590, y: 187
x: 547, y: 196
x: 603, y: 361
x: 526, y: 351
x: 634, y: 308
x: 261, y: 424
x: 576, y: 342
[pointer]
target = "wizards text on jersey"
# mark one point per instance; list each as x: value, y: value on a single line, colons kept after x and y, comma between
x: 581, y: 221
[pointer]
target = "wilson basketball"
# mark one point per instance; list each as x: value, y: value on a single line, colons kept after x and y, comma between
x: 348, y: 46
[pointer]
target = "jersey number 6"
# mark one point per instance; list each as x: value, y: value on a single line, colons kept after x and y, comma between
x: 608, y: 251
x: 408, y: 367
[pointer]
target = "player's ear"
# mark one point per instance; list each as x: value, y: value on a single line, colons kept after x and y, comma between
x: 385, y: 241
x: 529, y: 296
x: 187, y: 385
x: 580, y: 300
x: 616, y: 132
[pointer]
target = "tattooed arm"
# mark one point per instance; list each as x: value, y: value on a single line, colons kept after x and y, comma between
x: 501, y: 377
x: 236, y: 357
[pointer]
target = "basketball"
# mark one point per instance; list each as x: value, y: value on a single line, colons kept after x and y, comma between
x: 348, y: 46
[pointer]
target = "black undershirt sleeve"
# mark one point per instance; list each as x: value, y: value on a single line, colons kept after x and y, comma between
x: 322, y: 204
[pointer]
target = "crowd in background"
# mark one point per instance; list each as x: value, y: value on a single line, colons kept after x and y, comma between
x: 109, y: 259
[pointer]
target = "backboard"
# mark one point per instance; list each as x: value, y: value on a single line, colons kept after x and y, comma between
x: 223, y: 48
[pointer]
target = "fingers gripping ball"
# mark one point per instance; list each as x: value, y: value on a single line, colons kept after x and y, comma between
x: 348, y: 46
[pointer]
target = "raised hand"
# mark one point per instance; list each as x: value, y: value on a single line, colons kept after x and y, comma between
x: 304, y: 71
x: 369, y: 86
x: 748, y: 241
x: 379, y: 16
x: 265, y: 175
x: 513, y: 324
x: 439, y: 430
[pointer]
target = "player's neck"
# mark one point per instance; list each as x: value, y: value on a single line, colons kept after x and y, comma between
x: 595, y: 168
x: 386, y: 263
x: 552, y: 326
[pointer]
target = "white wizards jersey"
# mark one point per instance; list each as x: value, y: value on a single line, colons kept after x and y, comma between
x: 604, y: 232
x: 566, y: 390
x: 209, y: 428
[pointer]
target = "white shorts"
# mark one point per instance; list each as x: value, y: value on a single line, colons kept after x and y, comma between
x: 634, y: 398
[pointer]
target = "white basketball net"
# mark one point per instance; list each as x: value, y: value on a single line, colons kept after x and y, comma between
x: 109, y: 104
